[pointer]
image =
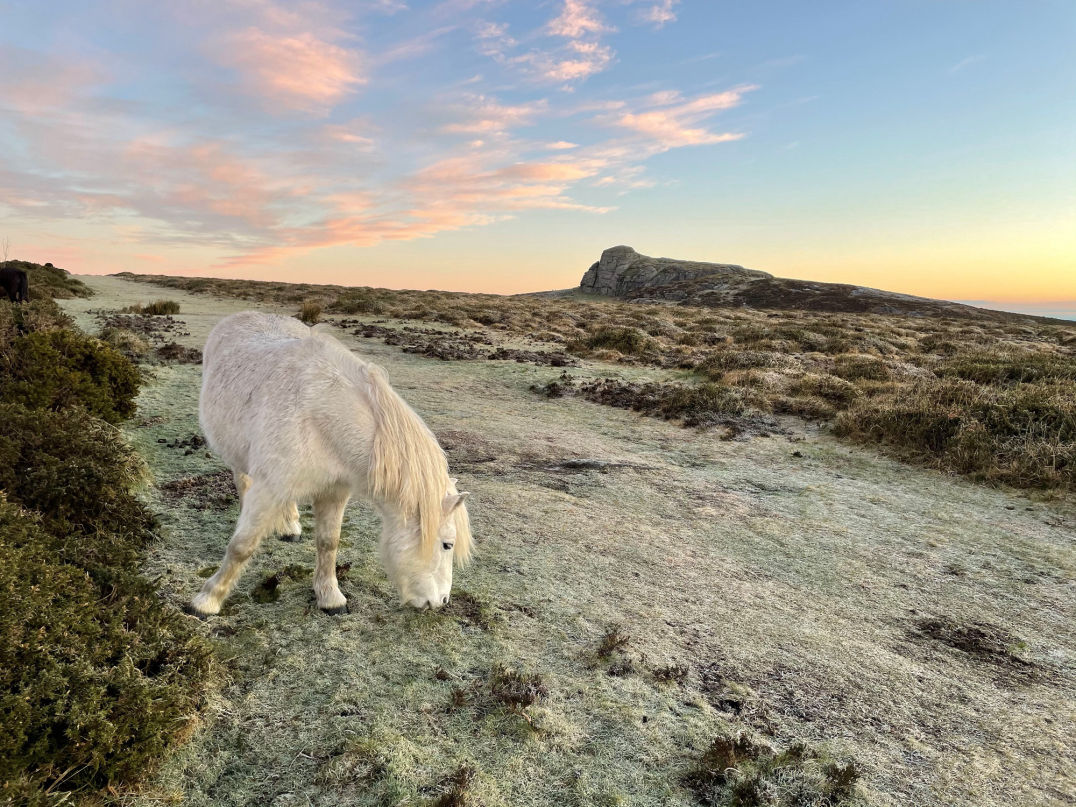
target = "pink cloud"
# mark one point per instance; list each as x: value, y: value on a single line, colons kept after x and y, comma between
x: 578, y: 18
x: 297, y: 71
x: 676, y: 125
x: 485, y: 115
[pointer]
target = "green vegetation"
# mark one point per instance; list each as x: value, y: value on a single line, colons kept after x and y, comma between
x: 98, y: 676
x: 628, y: 341
x: 62, y: 368
x: 156, y: 308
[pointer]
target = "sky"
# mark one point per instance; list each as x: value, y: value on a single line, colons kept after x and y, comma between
x: 920, y: 146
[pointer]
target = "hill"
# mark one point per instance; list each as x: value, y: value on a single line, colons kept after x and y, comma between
x: 623, y: 272
x: 46, y: 280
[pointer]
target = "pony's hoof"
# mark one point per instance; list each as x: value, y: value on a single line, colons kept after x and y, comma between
x: 340, y: 609
x: 188, y: 608
x: 292, y: 539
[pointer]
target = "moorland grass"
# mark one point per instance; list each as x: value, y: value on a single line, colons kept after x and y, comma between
x: 885, y: 381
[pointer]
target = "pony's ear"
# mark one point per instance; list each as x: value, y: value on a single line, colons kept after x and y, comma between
x: 452, y: 501
x: 454, y: 481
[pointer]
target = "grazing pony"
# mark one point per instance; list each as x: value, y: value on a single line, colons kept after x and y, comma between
x: 15, y: 284
x: 299, y: 418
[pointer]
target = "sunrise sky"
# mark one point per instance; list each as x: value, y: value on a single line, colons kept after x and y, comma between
x: 922, y: 146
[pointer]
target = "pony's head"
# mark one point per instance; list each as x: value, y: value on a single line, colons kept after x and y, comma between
x: 422, y: 570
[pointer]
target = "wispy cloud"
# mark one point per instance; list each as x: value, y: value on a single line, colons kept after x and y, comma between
x: 331, y: 152
x: 659, y: 14
x: 966, y: 62
x: 578, y: 18
x: 673, y: 123
x: 294, y: 71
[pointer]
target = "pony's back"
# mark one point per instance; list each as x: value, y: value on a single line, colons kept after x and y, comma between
x: 270, y: 388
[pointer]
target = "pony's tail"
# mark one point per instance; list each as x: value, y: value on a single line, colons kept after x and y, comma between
x: 24, y: 286
x: 407, y: 466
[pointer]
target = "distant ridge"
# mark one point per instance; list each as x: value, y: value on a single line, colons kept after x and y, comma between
x: 622, y: 272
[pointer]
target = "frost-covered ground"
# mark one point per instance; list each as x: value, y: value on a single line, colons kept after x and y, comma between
x: 787, y: 589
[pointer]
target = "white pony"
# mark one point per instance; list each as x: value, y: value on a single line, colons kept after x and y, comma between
x: 299, y: 418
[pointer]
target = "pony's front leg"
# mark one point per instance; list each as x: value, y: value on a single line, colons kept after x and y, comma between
x: 255, y: 520
x: 328, y: 514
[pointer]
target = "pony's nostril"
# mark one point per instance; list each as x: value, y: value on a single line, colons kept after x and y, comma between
x: 444, y: 600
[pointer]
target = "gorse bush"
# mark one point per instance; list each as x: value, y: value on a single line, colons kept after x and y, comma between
x: 78, y: 473
x: 98, y: 675
x: 58, y: 369
x: 95, y: 677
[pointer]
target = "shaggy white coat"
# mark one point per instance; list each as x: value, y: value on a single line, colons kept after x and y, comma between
x: 299, y: 418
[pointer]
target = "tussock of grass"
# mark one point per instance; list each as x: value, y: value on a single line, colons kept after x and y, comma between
x: 517, y: 690
x: 127, y: 342
x: 625, y: 340
x: 310, y: 313
x: 157, y: 308
x: 736, y: 771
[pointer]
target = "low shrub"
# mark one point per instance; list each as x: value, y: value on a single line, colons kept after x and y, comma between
x: 1022, y: 435
x: 78, y: 473
x: 61, y: 368
x: 97, y: 678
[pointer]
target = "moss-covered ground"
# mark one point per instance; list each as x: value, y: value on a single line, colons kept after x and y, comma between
x: 823, y: 603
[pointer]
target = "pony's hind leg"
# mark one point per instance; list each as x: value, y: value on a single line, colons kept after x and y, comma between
x: 242, y: 484
x: 256, y: 519
x: 293, y: 530
x: 328, y: 514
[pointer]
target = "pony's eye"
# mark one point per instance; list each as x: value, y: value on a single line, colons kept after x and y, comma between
x: 446, y: 546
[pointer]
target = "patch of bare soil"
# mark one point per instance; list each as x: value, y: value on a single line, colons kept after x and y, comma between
x: 980, y: 640
x: 458, y: 346
x: 190, y: 443
x: 156, y: 329
x: 177, y: 353
x: 214, y: 491
x: 702, y: 406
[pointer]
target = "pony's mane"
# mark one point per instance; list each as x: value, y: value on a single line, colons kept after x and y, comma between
x: 409, y: 468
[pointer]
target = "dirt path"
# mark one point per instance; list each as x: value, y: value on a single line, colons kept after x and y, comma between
x: 797, y: 591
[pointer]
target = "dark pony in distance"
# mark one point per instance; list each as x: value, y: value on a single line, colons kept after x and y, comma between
x: 14, y: 282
